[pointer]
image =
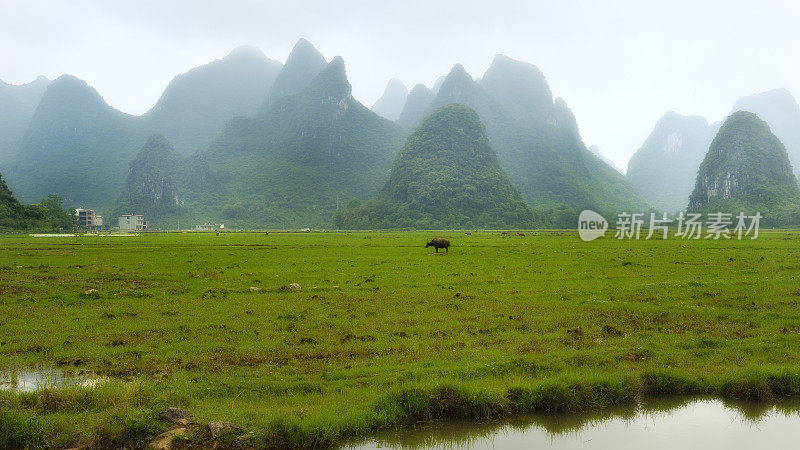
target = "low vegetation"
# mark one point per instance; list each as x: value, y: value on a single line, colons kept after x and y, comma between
x: 47, y: 215
x: 380, y: 332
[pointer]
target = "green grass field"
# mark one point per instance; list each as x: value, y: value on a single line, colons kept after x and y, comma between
x: 383, y: 332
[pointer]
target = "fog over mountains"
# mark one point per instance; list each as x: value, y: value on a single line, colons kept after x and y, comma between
x: 537, y: 139
x: 302, y: 65
x: 617, y: 71
x: 596, y: 151
x: 391, y: 103
x: 253, y: 143
x: 17, y: 104
x: 198, y: 103
x: 416, y: 105
x: 76, y: 146
x: 306, y: 156
x: 665, y: 166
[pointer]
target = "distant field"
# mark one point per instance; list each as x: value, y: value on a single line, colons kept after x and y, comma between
x: 383, y: 332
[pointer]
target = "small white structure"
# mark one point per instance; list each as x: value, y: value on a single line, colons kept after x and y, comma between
x: 132, y: 222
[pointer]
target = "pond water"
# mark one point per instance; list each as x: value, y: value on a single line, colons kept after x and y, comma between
x: 662, y: 424
x: 31, y: 380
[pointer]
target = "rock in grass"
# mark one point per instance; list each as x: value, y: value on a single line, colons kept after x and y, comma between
x: 216, y: 429
x: 255, y: 289
x: 291, y: 287
x: 90, y: 292
x: 176, y: 415
x: 164, y: 440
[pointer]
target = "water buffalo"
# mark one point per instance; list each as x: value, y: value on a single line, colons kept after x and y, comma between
x: 438, y: 243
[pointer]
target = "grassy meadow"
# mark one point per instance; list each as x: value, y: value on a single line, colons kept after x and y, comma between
x: 383, y: 331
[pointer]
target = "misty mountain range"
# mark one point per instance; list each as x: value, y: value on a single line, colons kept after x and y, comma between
x: 251, y: 142
x: 665, y: 168
x: 17, y: 105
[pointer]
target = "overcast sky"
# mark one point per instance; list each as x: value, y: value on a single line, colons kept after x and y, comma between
x: 618, y: 64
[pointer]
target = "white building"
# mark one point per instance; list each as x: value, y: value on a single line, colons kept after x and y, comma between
x: 132, y: 222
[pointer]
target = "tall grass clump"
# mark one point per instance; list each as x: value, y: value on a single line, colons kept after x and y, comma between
x: 666, y: 382
x: 565, y: 396
x: 19, y: 430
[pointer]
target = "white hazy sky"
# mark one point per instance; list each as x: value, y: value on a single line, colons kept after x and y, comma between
x: 618, y: 64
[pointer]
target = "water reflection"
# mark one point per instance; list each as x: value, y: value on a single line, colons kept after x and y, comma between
x: 31, y: 380
x: 666, y: 423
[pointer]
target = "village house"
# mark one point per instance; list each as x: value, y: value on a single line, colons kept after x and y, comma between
x: 87, y: 218
x: 132, y: 222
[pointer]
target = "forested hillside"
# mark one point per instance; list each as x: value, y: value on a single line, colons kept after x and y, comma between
x: 446, y: 176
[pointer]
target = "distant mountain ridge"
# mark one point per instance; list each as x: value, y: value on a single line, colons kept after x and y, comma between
x: 417, y: 103
x: 300, y: 160
x: 537, y: 141
x: 391, y: 103
x: 303, y: 65
x: 595, y: 150
x: 286, y: 145
x: 78, y: 147
x: 664, y: 168
x: 520, y: 87
x: 197, y: 104
x: 304, y: 119
x: 17, y: 105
